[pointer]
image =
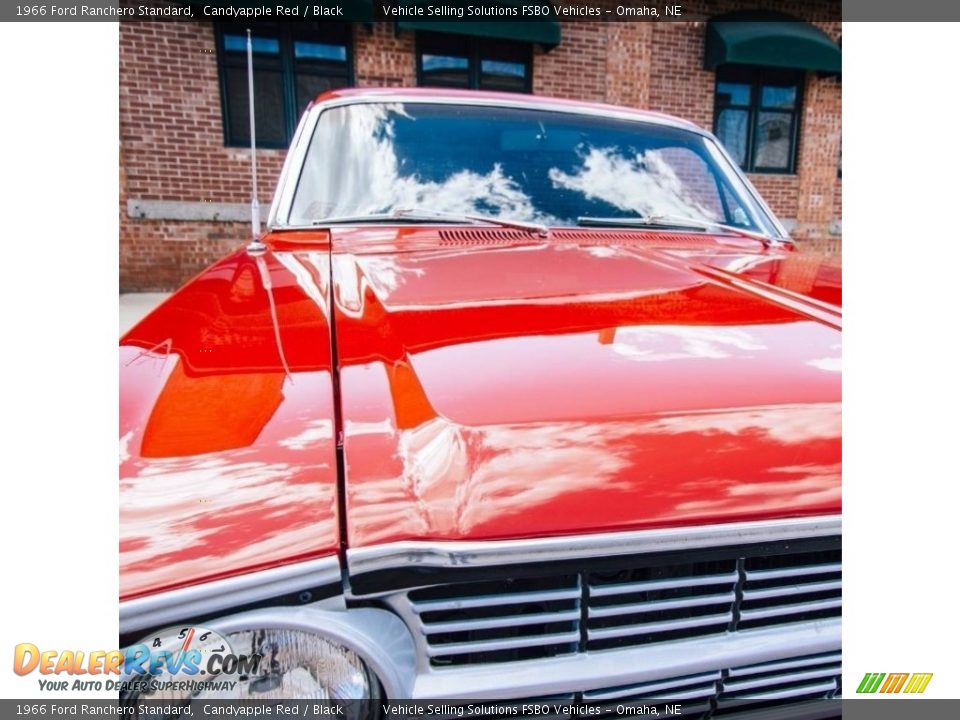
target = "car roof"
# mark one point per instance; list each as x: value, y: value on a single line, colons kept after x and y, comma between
x: 488, y: 97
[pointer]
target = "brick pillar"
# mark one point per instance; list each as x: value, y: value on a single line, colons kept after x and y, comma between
x: 629, y: 51
x: 678, y: 83
x: 577, y: 67
x: 382, y: 58
x: 817, y: 160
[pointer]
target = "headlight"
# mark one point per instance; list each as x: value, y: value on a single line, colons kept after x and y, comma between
x: 184, y: 663
x: 300, y: 665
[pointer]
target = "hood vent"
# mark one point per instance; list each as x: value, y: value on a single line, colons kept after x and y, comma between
x: 483, y: 236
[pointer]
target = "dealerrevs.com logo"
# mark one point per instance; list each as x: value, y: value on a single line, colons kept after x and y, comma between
x: 176, y: 658
x: 894, y: 682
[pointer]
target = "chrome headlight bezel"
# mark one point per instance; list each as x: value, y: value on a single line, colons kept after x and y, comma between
x: 376, y: 637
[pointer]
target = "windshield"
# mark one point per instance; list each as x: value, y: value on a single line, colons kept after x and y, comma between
x: 515, y: 164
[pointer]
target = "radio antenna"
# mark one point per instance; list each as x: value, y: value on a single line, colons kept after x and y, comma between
x: 255, y: 246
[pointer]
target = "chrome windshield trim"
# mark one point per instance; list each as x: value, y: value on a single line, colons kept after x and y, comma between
x: 286, y: 184
x: 487, y: 553
x: 784, y: 238
x: 197, y: 600
x: 279, y: 216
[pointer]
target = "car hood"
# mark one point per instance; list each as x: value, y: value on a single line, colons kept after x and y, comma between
x: 491, y: 385
x: 497, y: 388
x: 227, y: 450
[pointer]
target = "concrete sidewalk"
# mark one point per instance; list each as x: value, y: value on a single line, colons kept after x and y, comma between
x: 135, y: 306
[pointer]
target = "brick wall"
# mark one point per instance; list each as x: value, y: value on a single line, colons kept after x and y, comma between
x: 818, y: 155
x: 780, y: 191
x: 382, y: 58
x: 171, y: 140
x: 629, y: 62
x: 600, y: 62
x: 577, y: 67
x: 172, y: 136
x: 678, y: 83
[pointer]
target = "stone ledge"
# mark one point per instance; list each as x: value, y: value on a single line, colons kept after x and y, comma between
x: 187, y: 210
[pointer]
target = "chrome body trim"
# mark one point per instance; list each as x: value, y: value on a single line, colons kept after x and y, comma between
x: 832, y: 316
x: 196, y: 600
x: 286, y: 187
x: 487, y: 553
x: 613, y: 668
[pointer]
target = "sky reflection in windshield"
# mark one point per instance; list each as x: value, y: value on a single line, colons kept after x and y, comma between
x: 514, y: 164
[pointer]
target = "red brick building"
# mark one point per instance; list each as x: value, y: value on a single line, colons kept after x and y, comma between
x: 184, y: 157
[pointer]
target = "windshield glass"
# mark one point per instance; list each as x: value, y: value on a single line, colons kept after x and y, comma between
x: 515, y: 164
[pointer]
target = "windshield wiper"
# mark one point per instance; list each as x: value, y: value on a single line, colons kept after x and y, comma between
x: 535, y: 228
x: 661, y: 220
x: 421, y: 215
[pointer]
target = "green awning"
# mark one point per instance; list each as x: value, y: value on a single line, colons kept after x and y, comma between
x: 544, y: 32
x: 771, y: 39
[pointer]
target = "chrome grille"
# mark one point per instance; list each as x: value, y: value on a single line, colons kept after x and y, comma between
x: 669, y: 602
x: 804, y: 678
x: 650, y: 600
x: 513, y: 619
x: 728, y: 692
x: 777, y: 590
x: 696, y: 692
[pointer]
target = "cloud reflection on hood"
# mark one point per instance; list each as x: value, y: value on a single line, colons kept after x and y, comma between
x: 225, y: 505
x: 459, y: 481
x: 664, y: 343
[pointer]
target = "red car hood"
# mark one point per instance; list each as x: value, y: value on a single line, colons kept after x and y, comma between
x: 493, y: 388
x: 227, y: 450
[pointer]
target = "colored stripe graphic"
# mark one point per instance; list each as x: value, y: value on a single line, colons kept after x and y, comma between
x: 918, y: 682
x: 894, y: 682
x: 870, y: 682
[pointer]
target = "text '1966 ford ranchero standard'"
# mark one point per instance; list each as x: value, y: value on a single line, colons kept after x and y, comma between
x: 515, y: 398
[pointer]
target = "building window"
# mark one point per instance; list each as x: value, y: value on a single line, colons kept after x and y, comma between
x: 757, y: 116
x: 292, y: 64
x: 460, y: 61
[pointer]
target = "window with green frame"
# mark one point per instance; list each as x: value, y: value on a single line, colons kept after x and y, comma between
x: 461, y: 61
x: 757, y: 116
x: 292, y: 64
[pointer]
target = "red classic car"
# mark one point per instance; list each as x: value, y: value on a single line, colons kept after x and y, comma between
x: 519, y: 398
